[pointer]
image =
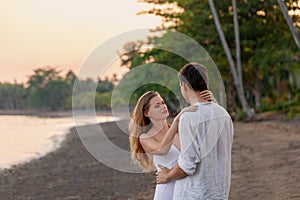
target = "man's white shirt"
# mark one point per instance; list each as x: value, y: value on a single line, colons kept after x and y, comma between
x: 206, y: 139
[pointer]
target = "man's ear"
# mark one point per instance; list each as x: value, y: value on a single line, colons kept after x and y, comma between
x: 184, y: 85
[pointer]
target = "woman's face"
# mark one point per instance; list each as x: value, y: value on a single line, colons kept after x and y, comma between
x: 158, y: 109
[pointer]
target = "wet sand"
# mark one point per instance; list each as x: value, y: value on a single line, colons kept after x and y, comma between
x: 265, y: 165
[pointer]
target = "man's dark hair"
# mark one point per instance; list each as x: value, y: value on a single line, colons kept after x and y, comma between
x: 195, y: 76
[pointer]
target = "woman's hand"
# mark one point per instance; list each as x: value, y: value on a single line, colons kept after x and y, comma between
x: 208, y: 95
x: 193, y: 108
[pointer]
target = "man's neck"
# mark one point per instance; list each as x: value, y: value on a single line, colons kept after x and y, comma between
x: 197, y: 99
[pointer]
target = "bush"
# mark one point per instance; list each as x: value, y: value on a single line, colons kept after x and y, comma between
x: 241, y: 115
x: 294, y: 112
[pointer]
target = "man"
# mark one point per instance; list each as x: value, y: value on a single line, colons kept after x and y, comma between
x: 204, y: 164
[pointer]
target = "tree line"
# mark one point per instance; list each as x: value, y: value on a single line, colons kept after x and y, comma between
x: 47, y: 89
x: 250, y: 41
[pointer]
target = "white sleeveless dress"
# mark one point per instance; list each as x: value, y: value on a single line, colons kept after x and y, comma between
x: 165, y: 191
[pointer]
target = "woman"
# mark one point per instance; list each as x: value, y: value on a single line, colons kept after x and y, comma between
x: 153, y: 142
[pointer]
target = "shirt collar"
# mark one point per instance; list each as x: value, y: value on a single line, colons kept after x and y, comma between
x: 202, y: 103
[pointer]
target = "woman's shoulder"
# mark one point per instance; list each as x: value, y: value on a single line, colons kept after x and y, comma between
x: 146, y: 135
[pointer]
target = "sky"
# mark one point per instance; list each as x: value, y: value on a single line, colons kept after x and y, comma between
x: 63, y: 33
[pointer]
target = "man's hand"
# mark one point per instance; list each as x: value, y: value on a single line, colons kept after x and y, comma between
x: 162, y: 176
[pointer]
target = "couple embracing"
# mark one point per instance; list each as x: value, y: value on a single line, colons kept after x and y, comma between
x: 192, y: 156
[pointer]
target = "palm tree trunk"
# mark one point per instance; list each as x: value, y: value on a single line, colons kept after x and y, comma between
x: 237, y: 42
x: 238, y: 84
x: 289, y: 22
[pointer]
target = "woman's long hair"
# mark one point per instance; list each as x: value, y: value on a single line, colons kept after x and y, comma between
x: 140, y: 124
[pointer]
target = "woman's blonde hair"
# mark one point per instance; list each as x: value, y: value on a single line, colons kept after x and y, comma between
x: 140, y: 124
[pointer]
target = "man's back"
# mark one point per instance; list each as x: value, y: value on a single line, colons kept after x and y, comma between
x: 206, y: 140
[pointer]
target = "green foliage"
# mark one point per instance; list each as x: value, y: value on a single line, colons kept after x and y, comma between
x: 104, y: 86
x: 41, y: 77
x: 294, y: 112
x: 57, y: 91
x: 156, y: 77
x: 274, y: 103
x: 84, y: 100
x: 240, y: 116
x: 103, y: 101
x: 12, y: 96
x: 47, y: 89
x: 268, y: 50
x: 84, y: 85
x: 90, y: 100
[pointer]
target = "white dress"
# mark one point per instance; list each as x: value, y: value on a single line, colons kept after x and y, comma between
x: 165, y: 191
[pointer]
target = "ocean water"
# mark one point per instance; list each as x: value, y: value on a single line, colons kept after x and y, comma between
x: 23, y: 138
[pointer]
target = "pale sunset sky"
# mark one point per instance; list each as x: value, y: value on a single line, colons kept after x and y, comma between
x: 61, y: 33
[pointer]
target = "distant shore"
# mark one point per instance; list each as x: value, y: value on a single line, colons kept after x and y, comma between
x: 48, y: 113
x: 265, y: 165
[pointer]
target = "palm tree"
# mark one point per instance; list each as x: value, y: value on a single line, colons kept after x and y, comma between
x: 289, y: 22
x: 236, y: 76
x: 237, y: 42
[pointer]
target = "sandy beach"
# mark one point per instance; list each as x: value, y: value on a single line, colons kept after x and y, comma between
x: 265, y: 165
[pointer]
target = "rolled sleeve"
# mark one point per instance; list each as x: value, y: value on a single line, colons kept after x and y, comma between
x: 188, y: 167
x: 190, y: 151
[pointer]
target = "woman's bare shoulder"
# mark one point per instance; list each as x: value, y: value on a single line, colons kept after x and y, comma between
x: 143, y: 136
x: 146, y: 135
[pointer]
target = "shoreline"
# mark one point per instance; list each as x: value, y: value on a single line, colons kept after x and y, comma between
x: 49, y: 113
x: 265, y: 165
x: 56, y: 139
x: 71, y: 172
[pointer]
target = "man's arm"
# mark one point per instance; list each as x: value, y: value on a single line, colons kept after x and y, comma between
x: 167, y: 175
